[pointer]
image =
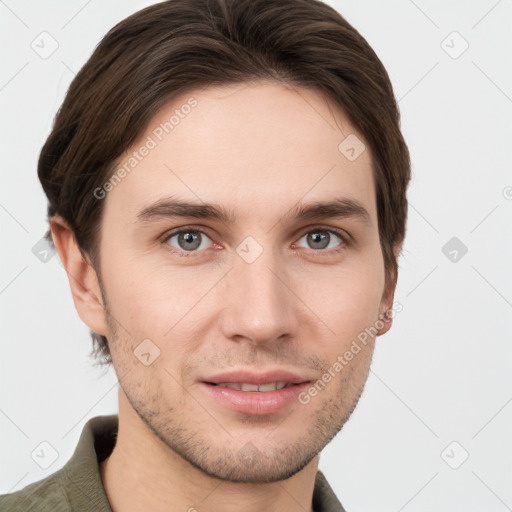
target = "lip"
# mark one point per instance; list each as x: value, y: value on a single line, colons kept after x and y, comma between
x: 256, y: 403
x: 250, y: 377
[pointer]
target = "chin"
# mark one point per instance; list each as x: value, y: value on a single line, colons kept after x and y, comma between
x: 248, y: 465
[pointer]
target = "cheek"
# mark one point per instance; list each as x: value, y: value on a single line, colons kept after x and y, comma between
x: 149, y: 300
x: 346, y: 299
x: 348, y: 307
x: 132, y: 295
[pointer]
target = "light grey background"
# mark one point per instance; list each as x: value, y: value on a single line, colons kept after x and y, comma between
x: 443, y: 372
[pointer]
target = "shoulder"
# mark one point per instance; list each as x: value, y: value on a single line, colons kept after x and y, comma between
x: 75, y: 486
x: 46, y: 494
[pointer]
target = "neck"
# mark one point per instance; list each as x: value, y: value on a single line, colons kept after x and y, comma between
x: 143, y: 473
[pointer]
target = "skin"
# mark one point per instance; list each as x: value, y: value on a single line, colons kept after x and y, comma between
x: 256, y: 149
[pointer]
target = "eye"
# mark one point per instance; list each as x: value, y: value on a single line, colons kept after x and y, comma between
x: 188, y: 240
x: 321, y: 239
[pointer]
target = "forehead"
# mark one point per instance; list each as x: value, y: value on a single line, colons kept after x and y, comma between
x: 259, y: 147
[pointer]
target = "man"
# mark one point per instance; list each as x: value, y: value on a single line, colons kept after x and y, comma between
x: 227, y: 193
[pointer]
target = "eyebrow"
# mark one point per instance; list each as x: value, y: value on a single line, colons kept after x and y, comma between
x: 172, y: 208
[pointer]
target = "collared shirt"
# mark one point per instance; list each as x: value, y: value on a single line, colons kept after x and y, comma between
x: 77, y: 486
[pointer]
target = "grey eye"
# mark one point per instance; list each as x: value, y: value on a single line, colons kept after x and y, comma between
x: 320, y: 239
x: 188, y: 240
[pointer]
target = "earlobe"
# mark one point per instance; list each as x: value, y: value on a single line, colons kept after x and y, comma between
x: 385, y: 313
x: 82, y: 277
x: 385, y: 321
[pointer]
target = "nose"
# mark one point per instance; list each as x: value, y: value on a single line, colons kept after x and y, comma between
x: 258, y: 303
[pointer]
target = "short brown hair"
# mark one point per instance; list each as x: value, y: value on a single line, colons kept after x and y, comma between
x: 180, y: 45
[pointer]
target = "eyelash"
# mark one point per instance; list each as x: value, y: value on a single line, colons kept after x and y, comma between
x: 191, y: 254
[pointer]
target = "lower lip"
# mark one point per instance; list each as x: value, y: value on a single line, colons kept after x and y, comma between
x: 255, y: 402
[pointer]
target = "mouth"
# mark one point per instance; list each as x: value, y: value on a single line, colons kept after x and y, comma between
x: 255, y: 393
x: 277, y: 377
x: 271, y: 386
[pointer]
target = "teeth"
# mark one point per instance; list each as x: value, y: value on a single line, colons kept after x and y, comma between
x: 249, y: 387
x: 231, y: 385
x: 272, y: 386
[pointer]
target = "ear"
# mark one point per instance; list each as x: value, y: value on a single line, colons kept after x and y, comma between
x: 82, y: 277
x: 386, y: 303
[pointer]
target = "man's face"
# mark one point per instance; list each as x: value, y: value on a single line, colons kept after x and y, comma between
x: 262, y: 298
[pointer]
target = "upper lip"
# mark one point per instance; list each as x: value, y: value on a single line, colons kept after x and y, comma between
x: 251, y: 377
